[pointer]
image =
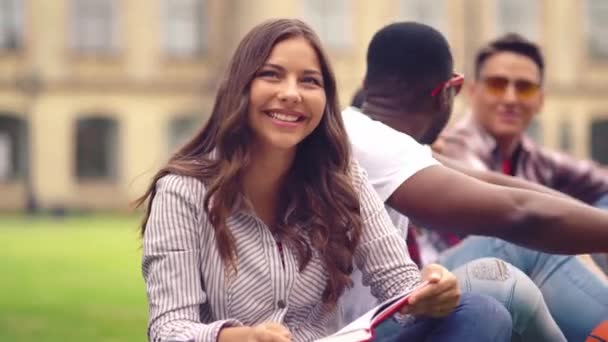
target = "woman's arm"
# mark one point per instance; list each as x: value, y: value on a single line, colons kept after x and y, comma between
x: 172, y: 263
x: 382, y: 254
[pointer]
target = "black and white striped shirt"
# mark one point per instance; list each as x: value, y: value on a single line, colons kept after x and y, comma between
x: 191, y: 299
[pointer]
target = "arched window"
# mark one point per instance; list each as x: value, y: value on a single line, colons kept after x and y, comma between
x: 96, y: 148
x: 432, y: 13
x: 599, y: 141
x: 11, y: 24
x: 13, y: 147
x: 596, y: 15
x: 519, y: 16
x: 95, y: 28
x: 181, y: 129
x: 185, y: 32
x: 332, y: 20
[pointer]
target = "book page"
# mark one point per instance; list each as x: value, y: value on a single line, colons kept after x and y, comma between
x: 365, y: 321
x: 362, y: 326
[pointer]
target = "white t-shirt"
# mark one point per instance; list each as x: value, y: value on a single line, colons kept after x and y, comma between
x: 390, y: 158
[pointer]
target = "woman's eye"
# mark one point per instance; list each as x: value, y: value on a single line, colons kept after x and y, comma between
x: 268, y: 74
x: 312, y: 80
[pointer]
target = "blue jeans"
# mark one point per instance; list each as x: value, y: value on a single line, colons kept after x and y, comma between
x: 576, y: 298
x: 532, y: 320
x: 602, y: 202
x: 602, y: 259
x: 487, y: 276
x: 476, y: 318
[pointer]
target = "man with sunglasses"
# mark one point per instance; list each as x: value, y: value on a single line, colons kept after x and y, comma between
x: 409, y: 89
x: 505, y: 96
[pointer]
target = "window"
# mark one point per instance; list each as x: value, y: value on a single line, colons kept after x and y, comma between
x: 184, y: 31
x: 518, y: 16
x: 13, y: 147
x: 181, y: 130
x: 599, y: 141
x: 565, y: 136
x: 331, y: 20
x: 95, y: 26
x: 534, y: 131
x: 96, y: 148
x: 11, y: 24
x: 597, y: 28
x: 430, y: 12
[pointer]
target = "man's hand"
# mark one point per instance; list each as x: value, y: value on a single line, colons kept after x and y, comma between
x: 439, y: 297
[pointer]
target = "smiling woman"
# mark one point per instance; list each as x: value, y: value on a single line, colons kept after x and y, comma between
x: 287, y: 95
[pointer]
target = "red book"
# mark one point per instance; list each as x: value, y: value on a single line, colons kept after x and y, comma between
x: 362, y: 329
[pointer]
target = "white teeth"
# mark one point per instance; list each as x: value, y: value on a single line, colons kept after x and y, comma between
x: 283, y: 117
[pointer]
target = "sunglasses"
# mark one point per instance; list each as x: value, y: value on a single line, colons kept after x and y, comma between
x: 497, y: 85
x: 455, y: 82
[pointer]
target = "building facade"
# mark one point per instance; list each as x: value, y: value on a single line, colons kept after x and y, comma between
x: 96, y: 94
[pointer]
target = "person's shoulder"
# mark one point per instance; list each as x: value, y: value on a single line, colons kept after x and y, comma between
x: 357, y: 173
x: 461, y: 131
x: 464, y: 139
x: 559, y: 160
x: 366, y: 133
x: 354, y: 118
x: 186, y: 186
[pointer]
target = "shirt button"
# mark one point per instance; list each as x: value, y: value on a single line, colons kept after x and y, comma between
x: 281, y: 304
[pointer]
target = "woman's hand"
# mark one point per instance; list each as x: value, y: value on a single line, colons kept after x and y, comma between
x: 269, y: 332
x: 266, y: 332
x: 439, y: 298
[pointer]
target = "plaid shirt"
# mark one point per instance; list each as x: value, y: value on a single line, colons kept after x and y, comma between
x: 581, y: 179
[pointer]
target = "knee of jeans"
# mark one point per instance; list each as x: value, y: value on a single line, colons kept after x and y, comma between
x: 486, y: 311
x: 505, y: 283
x: 527, y: 297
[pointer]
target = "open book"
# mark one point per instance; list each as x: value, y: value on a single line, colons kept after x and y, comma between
x: 362, y: 329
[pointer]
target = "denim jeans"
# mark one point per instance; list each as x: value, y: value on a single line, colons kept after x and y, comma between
x: 602, y: 202
x: 476, y: 318
x: 602, y: 259
x: 576, y: 298
x: 532, y: 320
x: 487, y: 276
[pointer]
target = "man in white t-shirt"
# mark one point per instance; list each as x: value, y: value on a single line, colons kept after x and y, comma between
x: 409, y: 86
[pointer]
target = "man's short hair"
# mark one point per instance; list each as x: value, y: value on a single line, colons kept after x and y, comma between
x: 510, y: 42
x: 409, y: 53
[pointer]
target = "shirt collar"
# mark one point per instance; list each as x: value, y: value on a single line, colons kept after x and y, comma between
x: 488, y: 143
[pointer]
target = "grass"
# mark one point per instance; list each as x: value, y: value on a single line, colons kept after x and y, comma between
x: 71, y: 279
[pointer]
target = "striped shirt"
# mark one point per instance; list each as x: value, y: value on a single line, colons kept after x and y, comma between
x: 190, y: 297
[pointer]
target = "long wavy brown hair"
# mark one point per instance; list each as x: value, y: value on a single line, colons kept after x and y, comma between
x: 318, y: 184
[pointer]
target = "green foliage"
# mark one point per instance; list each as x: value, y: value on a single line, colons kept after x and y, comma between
x: 71, y: 279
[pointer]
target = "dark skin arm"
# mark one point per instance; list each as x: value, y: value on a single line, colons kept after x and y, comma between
x: 440, y: 198
x: 497, y: 178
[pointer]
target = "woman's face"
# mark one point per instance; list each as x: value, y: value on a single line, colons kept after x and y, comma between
x: 287, y: 97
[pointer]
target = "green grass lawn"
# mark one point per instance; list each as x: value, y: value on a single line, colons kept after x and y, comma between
x: 71, y: 279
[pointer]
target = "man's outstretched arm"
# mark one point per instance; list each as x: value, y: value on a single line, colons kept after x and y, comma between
x: 440, y: 198
x: 497, y: 178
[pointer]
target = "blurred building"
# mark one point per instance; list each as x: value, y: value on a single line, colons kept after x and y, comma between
x: 95, y: 94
